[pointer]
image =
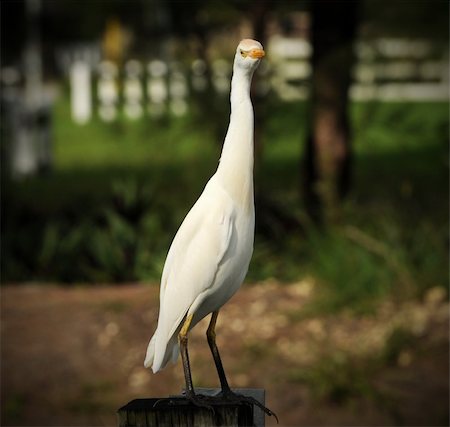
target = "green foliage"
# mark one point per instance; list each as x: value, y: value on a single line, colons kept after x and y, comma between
x: 336, y: 378
x: 114, y: 244
x: 348, y: 275
x: 118, y: 193
x: 342, y: 378
x: 405, y: 19
x: 399, y: 340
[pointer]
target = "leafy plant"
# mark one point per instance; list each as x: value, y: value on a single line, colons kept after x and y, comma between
x: 118, y: 193
x: 336, y: 378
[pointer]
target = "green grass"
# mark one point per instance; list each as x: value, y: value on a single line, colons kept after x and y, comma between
x: 118, y: 192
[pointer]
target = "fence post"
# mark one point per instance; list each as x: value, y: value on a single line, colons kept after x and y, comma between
x: 177, y: 411
x: 80, y: 92
x: 157, y: 87
x: 133, y: 90
x: 107, y: 91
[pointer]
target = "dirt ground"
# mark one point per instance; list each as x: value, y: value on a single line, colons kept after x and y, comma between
x: 73, y: 356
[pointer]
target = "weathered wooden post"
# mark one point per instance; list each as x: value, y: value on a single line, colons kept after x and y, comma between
x: 177, y: 411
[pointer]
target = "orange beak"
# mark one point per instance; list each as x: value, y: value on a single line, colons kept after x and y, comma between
x: 257, y: 53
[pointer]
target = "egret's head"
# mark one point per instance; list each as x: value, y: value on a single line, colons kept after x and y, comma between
x: 248, y: 54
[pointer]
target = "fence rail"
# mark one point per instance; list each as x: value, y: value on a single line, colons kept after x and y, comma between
x: 385, y: 69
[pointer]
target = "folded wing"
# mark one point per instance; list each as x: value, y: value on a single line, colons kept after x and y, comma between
x: 191, y: 267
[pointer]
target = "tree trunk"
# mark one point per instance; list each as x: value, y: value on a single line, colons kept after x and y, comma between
x: 328, y: 150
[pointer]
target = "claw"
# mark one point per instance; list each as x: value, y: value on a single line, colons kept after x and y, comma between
x: 157, y: 402
x: 199, y: 400
x: 235, y: 397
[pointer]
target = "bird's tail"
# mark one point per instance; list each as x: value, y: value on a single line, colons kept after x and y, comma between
x: 171, y: 351
x: 150, y: 352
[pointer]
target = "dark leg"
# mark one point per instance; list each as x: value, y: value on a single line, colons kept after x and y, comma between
x: 211, y: 336
x: 226, y: 393
x: 183, y: 341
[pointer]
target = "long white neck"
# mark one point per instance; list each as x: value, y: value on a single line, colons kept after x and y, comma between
x: 235, y: 170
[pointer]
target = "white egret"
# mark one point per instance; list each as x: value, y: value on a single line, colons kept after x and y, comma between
x: 210, y: 254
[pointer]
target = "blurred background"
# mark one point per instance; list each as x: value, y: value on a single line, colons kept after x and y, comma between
x: 113, y: 114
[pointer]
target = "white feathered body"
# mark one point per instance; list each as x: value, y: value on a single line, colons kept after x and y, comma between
x: 210, y: 254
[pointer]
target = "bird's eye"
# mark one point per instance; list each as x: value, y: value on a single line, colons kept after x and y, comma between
x: 243, y: 53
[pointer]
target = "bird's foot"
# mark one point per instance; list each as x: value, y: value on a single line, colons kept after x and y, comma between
x: 233, y: 397
x: 198, y: 400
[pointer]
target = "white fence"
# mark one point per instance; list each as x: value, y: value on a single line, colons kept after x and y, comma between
x: 385, y: 69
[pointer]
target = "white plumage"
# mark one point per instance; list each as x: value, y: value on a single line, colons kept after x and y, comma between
x: 210, y: 254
